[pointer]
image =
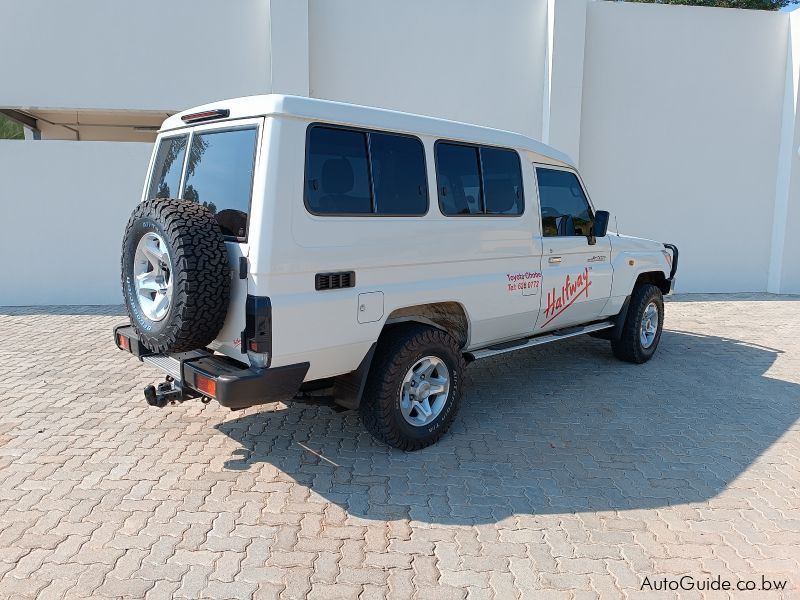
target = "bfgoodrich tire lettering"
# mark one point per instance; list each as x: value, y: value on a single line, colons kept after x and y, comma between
x: 199, y: 273
x: 398, y: 350
x: 629, y: 347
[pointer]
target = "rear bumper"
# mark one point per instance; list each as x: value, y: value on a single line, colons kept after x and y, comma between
x: 235, y: 385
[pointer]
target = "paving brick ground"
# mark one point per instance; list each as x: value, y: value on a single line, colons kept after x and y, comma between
x: 566, y: 475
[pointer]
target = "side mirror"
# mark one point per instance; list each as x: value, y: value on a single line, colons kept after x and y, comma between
x: 601, y: 218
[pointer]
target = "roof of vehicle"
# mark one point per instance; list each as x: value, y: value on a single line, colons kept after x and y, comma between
x: 312, y: 109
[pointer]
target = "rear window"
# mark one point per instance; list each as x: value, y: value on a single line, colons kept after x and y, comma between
x: 167, y: 168
x: 219, y: 175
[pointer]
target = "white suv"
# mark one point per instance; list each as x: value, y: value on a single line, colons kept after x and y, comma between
x: 288, y: 245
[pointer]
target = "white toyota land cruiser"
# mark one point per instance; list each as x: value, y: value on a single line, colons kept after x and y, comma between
x: 287, y: 244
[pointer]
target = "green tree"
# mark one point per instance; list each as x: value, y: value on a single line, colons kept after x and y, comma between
x: 753, y: 4
x: 10, y: 130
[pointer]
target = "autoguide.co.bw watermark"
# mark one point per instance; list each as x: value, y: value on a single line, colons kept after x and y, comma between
x: 715, y: 584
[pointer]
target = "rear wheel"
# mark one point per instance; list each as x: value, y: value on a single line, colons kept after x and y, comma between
x: 643, y: 325
x: 414, y: 387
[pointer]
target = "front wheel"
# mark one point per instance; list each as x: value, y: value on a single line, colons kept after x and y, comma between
x: 414, y: 387
x: 643, y: 325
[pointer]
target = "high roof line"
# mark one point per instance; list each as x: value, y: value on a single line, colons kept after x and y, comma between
x: 314, y: 109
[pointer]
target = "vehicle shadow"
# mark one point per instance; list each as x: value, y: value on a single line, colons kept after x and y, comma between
x: 560, y: 428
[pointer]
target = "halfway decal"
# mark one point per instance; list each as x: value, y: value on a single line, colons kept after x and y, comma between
x: 570, y: 291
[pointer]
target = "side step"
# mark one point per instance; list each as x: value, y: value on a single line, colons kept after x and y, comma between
x: 536, y: 341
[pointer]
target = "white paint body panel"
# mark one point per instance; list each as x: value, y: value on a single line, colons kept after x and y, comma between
x: 491, y: 266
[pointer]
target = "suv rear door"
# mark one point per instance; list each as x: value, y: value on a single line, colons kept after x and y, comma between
x: 215, y: 164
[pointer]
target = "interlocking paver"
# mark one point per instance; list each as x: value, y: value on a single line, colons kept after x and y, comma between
x: 566, y: 474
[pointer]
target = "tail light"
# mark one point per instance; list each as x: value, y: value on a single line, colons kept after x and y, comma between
x: 123, y: 343
x: 257, y: 334
x: 205, y: 385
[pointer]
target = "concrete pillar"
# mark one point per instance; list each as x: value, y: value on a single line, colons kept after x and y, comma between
x: 289, y: 47
x: 31, y: 133
x: 563, y: 86
x: 784, y: 267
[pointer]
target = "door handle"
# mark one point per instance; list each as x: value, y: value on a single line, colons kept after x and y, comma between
x: 554, y: 260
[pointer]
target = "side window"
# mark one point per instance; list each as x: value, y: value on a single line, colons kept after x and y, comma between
x: 502, y: 181
x: 476, y: 180
x: 398, y: 173
x: 565, y: 209
x: 166, y: 175
x: 337, y: 173
x: 353, y: 172
x: 459, y: 179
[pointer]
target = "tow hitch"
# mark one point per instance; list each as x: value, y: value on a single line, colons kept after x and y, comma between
x: 169, y: 392
x: 162, y: 394
x: 202, y: 374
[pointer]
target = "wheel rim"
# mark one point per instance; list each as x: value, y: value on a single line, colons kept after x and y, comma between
x: 649, y: 326
x: 424, y: 391
x: 152, y: 276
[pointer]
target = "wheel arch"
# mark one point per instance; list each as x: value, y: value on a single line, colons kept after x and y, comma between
x: 657, y: 278
x: 449, y: 316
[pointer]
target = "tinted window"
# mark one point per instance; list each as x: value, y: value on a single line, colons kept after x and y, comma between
x: 219, y: 175
x: 398, y: 173
x: 477, y: 180
x: 502, y: 181
x: 337, y: 175
x: 458, y: 179
x: 167, y: 169
x: 565, y: 209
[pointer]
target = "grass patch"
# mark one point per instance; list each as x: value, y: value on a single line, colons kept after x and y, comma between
x: 10, y: 130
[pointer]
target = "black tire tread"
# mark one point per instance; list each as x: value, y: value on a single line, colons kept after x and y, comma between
x: 628, y: 348
x: 390, y: 364
x: 201, y: 278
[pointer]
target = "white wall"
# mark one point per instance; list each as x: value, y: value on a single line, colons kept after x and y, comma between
x: 680, y: 132
x: 288, y: 49
x: 468, y: 60
x: 147, y: 54
x: 64, y: 207
x: 680, y: 117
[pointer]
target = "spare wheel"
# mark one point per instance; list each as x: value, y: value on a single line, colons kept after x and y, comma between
x: 175, y: 275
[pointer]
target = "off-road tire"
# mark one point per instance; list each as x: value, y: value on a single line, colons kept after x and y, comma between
x: 200, y: 274
x: 629, y: 346
x: 398, y: 350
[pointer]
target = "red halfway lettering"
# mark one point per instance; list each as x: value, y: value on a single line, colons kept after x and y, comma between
x: 570, y: 291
